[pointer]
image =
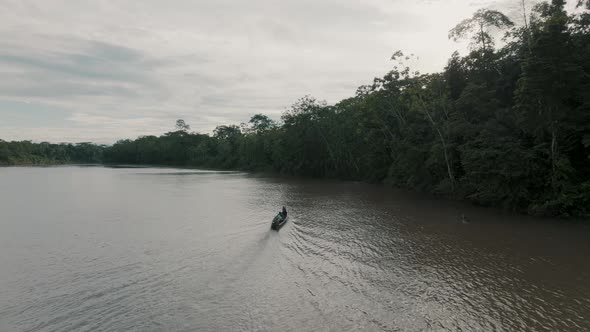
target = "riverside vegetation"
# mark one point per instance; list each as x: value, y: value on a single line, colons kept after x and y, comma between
x: 506, y: 127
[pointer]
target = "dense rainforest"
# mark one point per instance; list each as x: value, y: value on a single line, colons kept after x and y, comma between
x: 29, y: 153
x: 506, y: 127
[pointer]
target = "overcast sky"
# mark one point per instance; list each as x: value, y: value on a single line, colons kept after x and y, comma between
x: 103, y: 70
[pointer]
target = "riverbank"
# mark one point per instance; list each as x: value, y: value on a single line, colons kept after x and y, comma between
x: 41, y: 162
x: 262, y: 173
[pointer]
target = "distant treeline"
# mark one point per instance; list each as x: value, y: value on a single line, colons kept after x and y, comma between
x: 507, y: 127
x: 28, y: 153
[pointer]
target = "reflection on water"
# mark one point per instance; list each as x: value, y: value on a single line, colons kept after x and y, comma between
x: 102, y: 249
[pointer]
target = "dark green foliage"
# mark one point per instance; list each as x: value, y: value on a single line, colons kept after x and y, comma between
x: 28, y: 153
x: 552, y: 103
x: 505, y: 127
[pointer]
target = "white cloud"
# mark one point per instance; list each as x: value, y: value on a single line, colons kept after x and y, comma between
x: 126, y: 68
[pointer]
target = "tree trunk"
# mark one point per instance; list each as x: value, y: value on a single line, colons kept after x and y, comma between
x: 483, y: 37
x: 446, y: 155
x: 484, y: 45
x: 330, y: 152
x: 447, y: 161
x: 526, y: 25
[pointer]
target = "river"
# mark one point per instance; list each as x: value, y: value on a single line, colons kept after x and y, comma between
x: 161, y: 249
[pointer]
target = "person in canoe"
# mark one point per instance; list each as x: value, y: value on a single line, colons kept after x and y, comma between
x: 279, y: 220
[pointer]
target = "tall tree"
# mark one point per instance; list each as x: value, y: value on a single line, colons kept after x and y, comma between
x: 480, y: 27
x: 181, y: 125
x: 548, y: 97
x: 259, y: 123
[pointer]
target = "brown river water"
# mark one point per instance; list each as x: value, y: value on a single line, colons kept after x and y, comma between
x: 160, y: 249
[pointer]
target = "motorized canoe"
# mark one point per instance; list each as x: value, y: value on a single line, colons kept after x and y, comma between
x: 278, y: 222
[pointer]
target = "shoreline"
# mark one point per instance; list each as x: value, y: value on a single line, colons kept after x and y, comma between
x: 417, y: 194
